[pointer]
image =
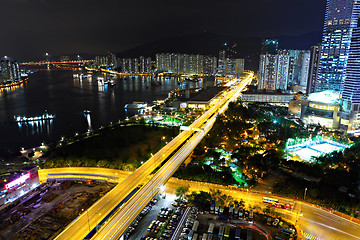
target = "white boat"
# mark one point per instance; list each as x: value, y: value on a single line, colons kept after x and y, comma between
x: 136, y: 105
x: 45, y: 116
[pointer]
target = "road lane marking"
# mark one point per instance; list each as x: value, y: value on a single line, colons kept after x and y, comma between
x: 334, y: 220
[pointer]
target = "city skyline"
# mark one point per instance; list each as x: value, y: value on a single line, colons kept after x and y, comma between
x: 221, y: 119
x: 66, y: 27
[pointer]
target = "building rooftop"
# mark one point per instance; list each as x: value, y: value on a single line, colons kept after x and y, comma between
x: 267, y: 92
x: 327, y: 97
x: 205, y: 95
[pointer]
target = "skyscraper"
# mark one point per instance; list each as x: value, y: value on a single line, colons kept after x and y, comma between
x: 9, y: 71
x: 341, y: 18
x: 313, y: 68
x: 351, y: 89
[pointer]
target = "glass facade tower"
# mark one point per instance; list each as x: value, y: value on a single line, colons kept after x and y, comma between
x: 341, y: 18
x: 351, y: 89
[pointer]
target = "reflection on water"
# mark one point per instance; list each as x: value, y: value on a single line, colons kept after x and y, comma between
x: 67, y: 94
x: 36, y: 127
x: 88, y: 119
x: 5, y: 90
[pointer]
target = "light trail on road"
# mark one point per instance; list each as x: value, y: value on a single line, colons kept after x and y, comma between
x: 117, y: 225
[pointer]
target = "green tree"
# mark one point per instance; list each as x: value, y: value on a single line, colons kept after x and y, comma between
x: 201, y: 199
x: 227, y: 199
x: 181, y: 191
x: 216, y: 196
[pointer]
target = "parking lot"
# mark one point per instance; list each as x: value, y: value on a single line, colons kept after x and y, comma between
x: 170, y: 219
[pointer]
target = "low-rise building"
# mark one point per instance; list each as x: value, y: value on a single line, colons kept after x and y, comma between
x: 17, y: 184
x: 323, y: 108
x: 267, y: 96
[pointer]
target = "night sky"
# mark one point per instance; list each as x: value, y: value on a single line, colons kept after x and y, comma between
x: 32, y: 27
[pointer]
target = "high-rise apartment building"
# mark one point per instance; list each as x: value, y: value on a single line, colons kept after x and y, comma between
x: 148, y: 67
x: 9, y: 71
x: 210, y: 65
x: 287, y: 70
x: 341, y: 18
x: 142, y: 64
x: 222, y: 63
x: 185, y: 64
x: 234, y: 67
x: 313, y: 68
x: 298, y: 70
x: 267, y: 71
x: 282, y: 67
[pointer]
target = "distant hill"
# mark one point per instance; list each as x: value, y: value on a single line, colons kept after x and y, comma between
x: 210, y: 44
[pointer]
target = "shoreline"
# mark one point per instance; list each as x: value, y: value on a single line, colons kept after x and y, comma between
x: 13, y: 84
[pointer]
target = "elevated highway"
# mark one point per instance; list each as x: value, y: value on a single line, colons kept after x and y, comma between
x: 117, y: 225
x: 80, y: 227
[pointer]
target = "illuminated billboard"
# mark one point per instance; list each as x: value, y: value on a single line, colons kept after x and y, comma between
x: 17, y: 181
x: 325, y: 107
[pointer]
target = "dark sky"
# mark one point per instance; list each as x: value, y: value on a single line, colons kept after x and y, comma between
x: 32, y: 27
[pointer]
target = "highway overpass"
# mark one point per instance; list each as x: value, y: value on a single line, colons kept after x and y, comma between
x: 79, y: 228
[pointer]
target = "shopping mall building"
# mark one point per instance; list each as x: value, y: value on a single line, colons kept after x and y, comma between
x: 322, y: 108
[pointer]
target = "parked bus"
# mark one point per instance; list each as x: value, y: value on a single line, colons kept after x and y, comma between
x: 210, y: 236
x: 205, y: 236
x: 270, y: 200
x: 275, y: 202
x: 195, y: 236
x: 195, y: 226
x: 221, y: 230
x: 211, y: 228
x: 237, y: 233
x: 227, y: 231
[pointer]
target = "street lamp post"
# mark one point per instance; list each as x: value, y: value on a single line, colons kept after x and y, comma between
x: 305, y: 193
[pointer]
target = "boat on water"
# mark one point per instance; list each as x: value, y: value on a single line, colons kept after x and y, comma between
x: 44, y: 116
x: 136, y: 105
x: 110, y: 82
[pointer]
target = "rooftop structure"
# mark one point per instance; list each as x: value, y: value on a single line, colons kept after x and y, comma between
x: 326, y: 97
